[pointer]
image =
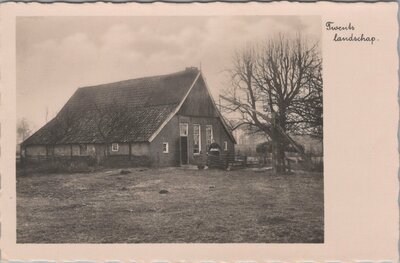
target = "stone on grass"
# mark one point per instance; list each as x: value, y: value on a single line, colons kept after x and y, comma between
x: 163, y: 191
x: 125, y: 172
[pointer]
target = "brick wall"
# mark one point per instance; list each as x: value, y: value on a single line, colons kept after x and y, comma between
x: 169, y: 134
x: 140, y: 149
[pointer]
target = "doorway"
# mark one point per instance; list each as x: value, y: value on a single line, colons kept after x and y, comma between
x: 184, y: 150
x: 183, y: 131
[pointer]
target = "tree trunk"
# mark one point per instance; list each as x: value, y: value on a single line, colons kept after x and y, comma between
x: 278, y: 148
x: 280, y: 157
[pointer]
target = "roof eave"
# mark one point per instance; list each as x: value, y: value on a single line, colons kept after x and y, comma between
x: 219, y: 113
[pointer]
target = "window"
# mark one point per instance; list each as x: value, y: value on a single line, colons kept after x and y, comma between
x: 114, y: 147
x: 183, y: 129
x: 225, y: 145
x: 209, y: 135
x: 165, y: 147
x: 196, y: 139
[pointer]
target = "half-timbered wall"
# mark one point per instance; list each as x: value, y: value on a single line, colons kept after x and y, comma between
x: 35, y: 150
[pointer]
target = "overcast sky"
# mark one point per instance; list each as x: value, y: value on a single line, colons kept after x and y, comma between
x: 56, y: 55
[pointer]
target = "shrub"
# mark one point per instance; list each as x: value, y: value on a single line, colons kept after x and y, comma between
x: 57, y: 165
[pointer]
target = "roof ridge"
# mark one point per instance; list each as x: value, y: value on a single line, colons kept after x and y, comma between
x: 137, y: 79
x: 149, y: 103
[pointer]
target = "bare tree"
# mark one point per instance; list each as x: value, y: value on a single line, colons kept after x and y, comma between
x: 282, y: 78
x: 23, y: 129
x: 64, y: 124
x: 112, y: 122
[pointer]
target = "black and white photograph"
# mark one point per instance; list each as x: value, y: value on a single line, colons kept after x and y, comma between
x: 169, y: 129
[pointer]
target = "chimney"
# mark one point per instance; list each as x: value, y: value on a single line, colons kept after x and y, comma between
x: 191, y: 69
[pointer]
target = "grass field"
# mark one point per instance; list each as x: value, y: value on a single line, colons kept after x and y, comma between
x: 209, y: 206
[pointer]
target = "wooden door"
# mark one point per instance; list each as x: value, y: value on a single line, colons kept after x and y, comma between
x: 184, y: 150
x: 184, y: 131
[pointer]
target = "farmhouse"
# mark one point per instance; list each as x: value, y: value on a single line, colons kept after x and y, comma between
x: 166, y: 120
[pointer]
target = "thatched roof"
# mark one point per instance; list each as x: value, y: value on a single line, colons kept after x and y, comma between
x: 126, y: 111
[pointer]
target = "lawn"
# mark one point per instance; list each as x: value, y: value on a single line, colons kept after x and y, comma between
x: 201, y: 206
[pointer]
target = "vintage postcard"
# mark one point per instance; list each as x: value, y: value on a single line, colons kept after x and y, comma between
x: 262, y: 132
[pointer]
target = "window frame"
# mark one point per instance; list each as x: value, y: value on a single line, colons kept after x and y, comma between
x: 186, y: 125
x: 166, y: 148
x: 225, y: 145
x: 112, y: 147
x: 212, y: 134
x: 196, y: 124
